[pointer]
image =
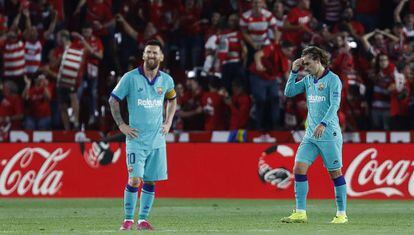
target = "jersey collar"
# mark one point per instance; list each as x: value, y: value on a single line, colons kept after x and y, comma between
x: 151, y: 83
x: 325, y: 72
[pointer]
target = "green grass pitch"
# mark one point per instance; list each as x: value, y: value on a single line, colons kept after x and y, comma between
x: 190, y: 216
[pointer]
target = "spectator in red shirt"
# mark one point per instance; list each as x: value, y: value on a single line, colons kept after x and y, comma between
x: 239, y: 104
x: 149, y: 33
x: 271, y: 67
x: 349, y: 24
x: 99, y: 14
x: 297, y: 27
x: 354, y: 104
x: 408, y: 74
x: 400, y: 93
x: 213, y: 26
x: 367, y: 12
x: 214, y: 108
x: 383, y: 84
x: 379, y: 44
x: 342, y: 58
x: 38, y: 96
x: 190, y: 40
x: 137, y: 12
x: 398, y: 48
x: 11, y: 107
x: 182, y: 95
x: 191, y: 110
x: 322, y: 36
x: 160, y: 14
x: 408, y: 19
x: 295, y: 112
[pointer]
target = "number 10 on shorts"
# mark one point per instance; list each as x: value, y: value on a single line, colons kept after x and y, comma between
x: 131, y: 158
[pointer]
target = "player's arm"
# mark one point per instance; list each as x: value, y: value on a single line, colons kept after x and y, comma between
x: 118, y: 94
x: 170, y: 110
x: 116, y: 114
x: 292, y: 87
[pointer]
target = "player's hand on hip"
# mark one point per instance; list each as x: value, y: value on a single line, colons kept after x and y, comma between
x: 297, y: 64
x: 128, y: 131
x: 166, y: 127
x: 318, y: 132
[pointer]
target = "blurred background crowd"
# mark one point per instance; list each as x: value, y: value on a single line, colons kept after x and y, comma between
x: 230, y: 60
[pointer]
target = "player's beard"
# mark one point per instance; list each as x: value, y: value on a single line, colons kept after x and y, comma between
x: 151, y: 65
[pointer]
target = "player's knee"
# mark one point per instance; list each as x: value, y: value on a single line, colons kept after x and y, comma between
x: 335, y: 174
x: 134, y: 182
x: 300, y: 168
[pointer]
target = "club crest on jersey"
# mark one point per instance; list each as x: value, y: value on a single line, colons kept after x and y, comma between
x: 159, y: 90
x: 321, y: 86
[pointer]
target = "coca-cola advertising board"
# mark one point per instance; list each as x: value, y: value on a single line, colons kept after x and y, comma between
x: 372, y: 171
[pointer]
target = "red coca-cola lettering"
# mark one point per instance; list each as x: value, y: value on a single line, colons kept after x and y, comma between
x: 45, y: 181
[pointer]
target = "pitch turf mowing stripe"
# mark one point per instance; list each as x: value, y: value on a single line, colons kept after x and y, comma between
x: 189, y: 216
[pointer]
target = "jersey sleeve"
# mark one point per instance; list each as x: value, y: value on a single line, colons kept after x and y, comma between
x: 292, y: 87
x: 334, y: 101
x: 170, y: 94
x: 122, y: 88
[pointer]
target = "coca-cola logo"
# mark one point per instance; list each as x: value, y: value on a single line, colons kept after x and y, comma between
x: 99, y: 154
x: 44, y: 181
x: 387, y: 176
x: 276, y: 174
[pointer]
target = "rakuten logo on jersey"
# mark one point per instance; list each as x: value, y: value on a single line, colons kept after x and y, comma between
x: 46, y: 180
x: 316, y: 99
x: 147, y: 103
x: 386, y: 177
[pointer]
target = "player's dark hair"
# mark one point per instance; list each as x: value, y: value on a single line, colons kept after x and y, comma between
x: 154, y: 42
x: 317, y: 53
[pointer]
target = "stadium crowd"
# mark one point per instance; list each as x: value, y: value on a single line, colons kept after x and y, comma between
x: 229, y: 59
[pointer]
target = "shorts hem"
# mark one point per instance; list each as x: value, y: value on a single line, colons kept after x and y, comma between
x: 334, y: 169
x: 158, y: 179
x: 304, y: 161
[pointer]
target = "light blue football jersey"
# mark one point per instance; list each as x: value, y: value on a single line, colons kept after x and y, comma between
x: 323, y: 98
x: 145, y: 100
